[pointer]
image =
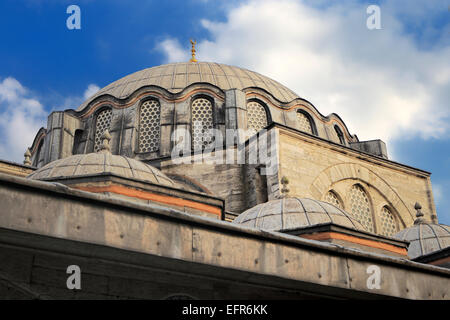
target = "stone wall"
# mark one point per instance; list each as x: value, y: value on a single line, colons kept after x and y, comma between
x: 131, y: 250
x: 314, y: 167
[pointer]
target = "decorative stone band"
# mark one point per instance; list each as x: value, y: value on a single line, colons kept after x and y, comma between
x: 141, y: 194
x: 147, y: 93
x: 365, y: 242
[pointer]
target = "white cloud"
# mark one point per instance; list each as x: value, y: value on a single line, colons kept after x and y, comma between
x: 91, y: 90
x: 22, y: 114
x: 173, y: 51
x: 378, y: 81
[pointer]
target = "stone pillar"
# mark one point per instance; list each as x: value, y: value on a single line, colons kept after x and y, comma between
x: 52, y: 144
x: 123, y: 129
x: 167, y: 124
x: 70, y: 125
x: 182, y: 123
x: 236, y: 113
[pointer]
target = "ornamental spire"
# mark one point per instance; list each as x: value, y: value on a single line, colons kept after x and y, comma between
x: 106, y: 138
x: 27, y: 156
x: 419, y: 214
x: 284, y: 190
x: 193, y: 43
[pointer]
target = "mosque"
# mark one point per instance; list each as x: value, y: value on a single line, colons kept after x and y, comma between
x: 100, y: 189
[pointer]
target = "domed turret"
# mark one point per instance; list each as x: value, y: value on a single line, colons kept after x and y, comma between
x: 102, y: 162
x: 291, y: 213
x: 424, y: 237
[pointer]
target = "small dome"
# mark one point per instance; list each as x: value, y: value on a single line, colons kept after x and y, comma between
x: 425, y: 238
x: 100, y: 163
x: 291, y: 213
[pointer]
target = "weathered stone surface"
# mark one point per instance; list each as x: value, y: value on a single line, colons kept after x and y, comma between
x: 169, y: 239
x: 320, y: 169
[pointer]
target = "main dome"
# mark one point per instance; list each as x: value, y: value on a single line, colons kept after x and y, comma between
x: 174, y: 77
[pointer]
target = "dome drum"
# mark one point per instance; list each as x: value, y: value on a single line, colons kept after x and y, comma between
x: 136, y: 133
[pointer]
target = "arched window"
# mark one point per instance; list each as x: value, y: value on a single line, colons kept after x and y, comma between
x: 388, y: 225
x: 339, y: 135
x: 77, y: 141
x: 149, y: 126
x: 202, y: 123
x: 102, y: 123
x: 305, y: 122
x: 38, y: 156
x: 361, y: 207
x: 332, y: 197
x: 256, y: 116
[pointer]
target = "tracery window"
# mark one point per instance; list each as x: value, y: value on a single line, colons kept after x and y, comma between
x: 361, y: 207
x: 149, y: 126
x: 388, y: 225
x: 332, y: 197
x: 202, y: 123
x: 304, y: 123
x: 256, y: 116
x: 339, y: 135
x: 102, y: 123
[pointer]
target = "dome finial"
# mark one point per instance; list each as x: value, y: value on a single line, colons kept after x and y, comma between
x: 284, y: 189
x: 193, y: 43
x: 27, y: 155
x: 419, y: 214
x: 106, y: 138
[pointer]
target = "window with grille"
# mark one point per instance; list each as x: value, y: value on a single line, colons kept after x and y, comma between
x: 304, y: 123
x: 38, y: 156
x: 149, y: 126
x: 360, y: 207
x: 202, y: 123
x: 332, y: 198
x: 339, y: 135
x: 103, y: 121
x: 256, y: 116
x: 388, y: 225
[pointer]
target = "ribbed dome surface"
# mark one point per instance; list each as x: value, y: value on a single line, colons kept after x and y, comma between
x: 425, y: 238
x: 175, y: 77
x: 290, y: 213
x: 96, y: 163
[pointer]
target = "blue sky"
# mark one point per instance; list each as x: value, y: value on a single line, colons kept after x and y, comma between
x: 392, y: 83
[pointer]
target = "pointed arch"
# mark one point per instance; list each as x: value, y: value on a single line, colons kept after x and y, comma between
x: 388, y: 223
x: 305, y: 122
x: 333, y: 198
x: 361, y: 207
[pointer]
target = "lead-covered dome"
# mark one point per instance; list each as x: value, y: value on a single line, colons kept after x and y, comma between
x: 174, y: 77
x: 291, y: 213
x: 425, y: 238
x: 101, y: 163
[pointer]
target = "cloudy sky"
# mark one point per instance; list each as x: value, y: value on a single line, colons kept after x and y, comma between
x: 391, y: 83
